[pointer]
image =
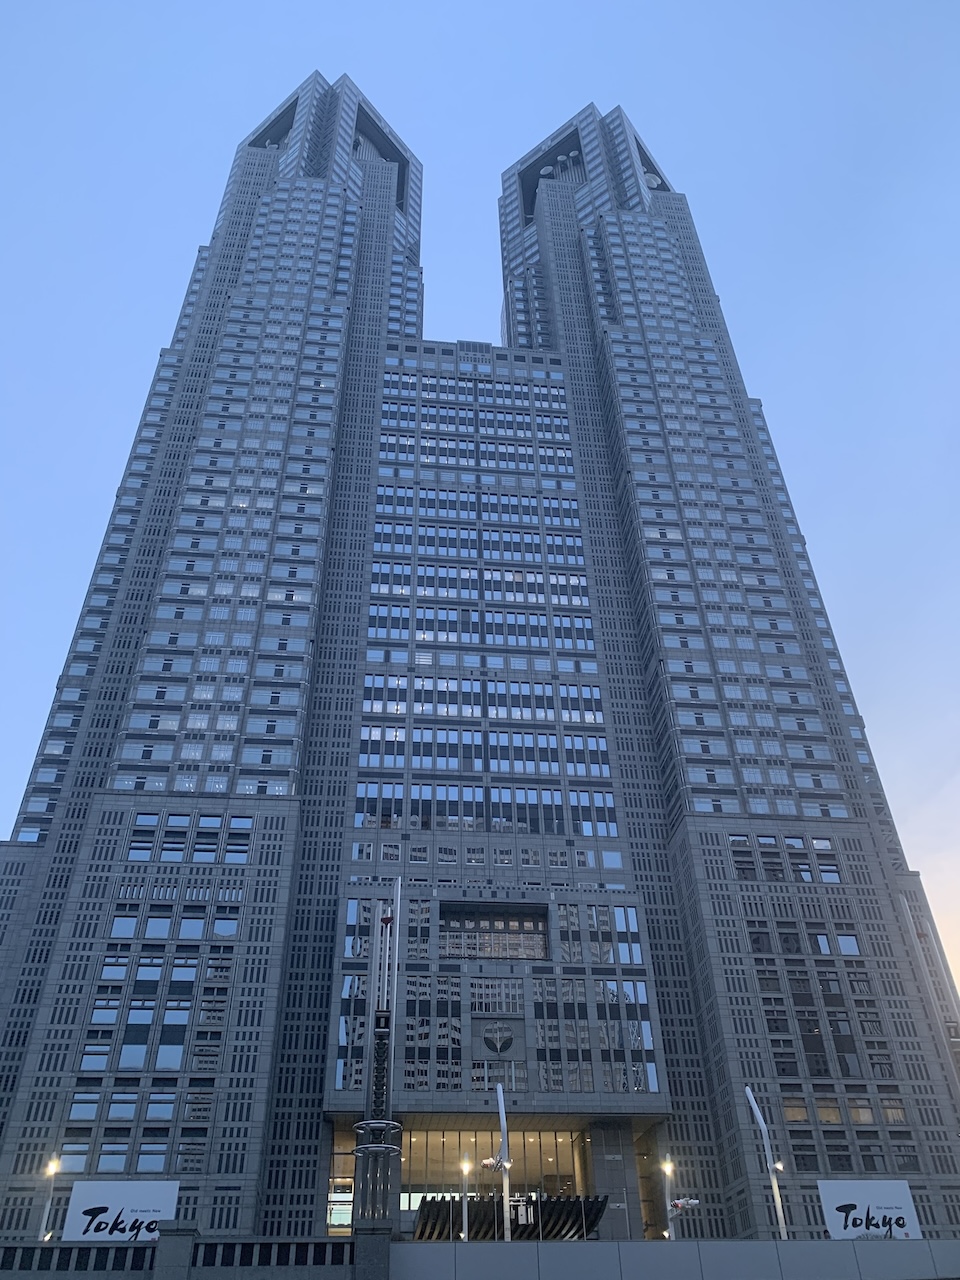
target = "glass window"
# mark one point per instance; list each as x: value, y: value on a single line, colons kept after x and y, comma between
x: 160, y: 1106
x: 169, y: 1057
x: 84, y: 1106
x: 122, y: 1106
x: 73, y: 1157
x: 105, y: 1011
x: 151, y: 1157
x: 148, y: 969
x: 94, y: 1057
x: 113, y: 1157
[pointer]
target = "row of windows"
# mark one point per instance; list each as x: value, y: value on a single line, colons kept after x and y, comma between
x: 790, y: 942
x: 385, y: 746
x: 721, y: 775
x: 465, y: 504
x: 468, y: 391
x: 99, y: 1057
x: 215, y: 784
x: 819, y: 844
x: 506, y: 424
x: 150, y: 969
x: 551, y: 1077
x: 473, y: 626
x: 464, y: 452
x: 785, y: 806
x: 456, y: 582
x: 115, y: 1157
x: 479, y: 856
x: 193, y: 923
x: 454, y: 807
x: 828, y: 1111
x: 463, y: 540
x: 474, y: 661
x: 122, y: 1105
x: 904, y: 1158
x: 466, y: 698
x: 176, y: 838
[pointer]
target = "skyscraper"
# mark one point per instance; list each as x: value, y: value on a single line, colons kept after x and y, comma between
x: 531, y: 627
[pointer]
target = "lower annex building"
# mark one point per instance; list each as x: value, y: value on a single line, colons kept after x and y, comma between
x: 530, y: 626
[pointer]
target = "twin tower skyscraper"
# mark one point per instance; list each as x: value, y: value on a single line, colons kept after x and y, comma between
x: 531, y: 627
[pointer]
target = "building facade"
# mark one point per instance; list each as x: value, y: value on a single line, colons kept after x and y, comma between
x: 531, y: 627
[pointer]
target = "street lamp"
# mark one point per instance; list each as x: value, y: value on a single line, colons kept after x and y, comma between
x: 51, y: 1171
x: 465, y: 1168
x: 502, y: 1162
x: 674, y: 1206
x: 773, y: 1166
x: 667, y: 1167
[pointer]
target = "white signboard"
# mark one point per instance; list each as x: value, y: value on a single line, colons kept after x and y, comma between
x: 869, y: 1210
x: 119, y: 1212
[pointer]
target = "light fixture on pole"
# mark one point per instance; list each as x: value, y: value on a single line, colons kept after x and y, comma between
x: 51, y: 1171
x: 673, y: 1206
x: 465, y: 1168
x: 772, y: 1165
x: 502, y: 1162
x: 667, y: 1167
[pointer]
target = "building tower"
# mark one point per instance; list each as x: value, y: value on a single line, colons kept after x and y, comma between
x: 531, y: 627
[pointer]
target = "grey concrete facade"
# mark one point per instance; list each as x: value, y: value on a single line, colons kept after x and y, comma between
x: 180, y: 1256
x: 531, y: 626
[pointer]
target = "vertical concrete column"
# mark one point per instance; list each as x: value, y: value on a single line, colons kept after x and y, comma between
x: 175, y: 1253
x: 371, y: 1255
x: 615, y: 1175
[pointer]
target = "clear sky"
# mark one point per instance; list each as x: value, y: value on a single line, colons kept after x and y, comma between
x: 815, y: 140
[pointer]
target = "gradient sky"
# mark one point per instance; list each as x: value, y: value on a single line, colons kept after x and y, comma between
x: 816, y: 142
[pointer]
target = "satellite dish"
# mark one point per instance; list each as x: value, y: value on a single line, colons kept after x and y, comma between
x: 561, y: 159
x: 652, y: 180
x: 546, y: 171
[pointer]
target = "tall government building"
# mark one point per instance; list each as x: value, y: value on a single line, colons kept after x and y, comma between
x: 532, y: 627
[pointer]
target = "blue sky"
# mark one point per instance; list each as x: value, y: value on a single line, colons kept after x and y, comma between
x: 815, y: 141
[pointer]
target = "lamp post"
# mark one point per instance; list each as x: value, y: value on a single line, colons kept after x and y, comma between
x: 51, y: 1171
x: 667, y: 1167
x: 674, y: 1206
x: 626, y: 1215
x: 502, y: 1162
x: 773, y: 1166
x: 465, y: 1168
